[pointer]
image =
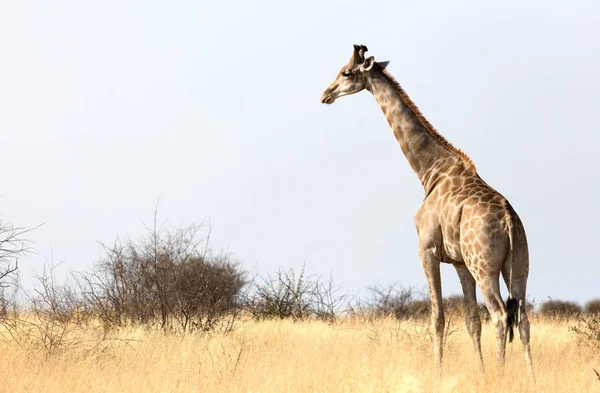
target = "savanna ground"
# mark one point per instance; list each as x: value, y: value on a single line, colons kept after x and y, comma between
x: 163, y: 314
x: 352, y: 355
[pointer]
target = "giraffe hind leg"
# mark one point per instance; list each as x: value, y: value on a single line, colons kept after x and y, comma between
x: 472, y: 319
x: 495, y: 305
x: 516, y: 305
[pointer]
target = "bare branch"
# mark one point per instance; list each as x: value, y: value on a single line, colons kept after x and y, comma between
x: 13, y: 245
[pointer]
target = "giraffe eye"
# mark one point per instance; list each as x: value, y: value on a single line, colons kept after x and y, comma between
x: 347, y: 74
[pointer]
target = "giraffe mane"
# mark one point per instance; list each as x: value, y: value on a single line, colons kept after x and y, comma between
x: 425, y: 123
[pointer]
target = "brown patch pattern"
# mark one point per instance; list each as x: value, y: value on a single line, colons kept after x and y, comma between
x: 426, y: 124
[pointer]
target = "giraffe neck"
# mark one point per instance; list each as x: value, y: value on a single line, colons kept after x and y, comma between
x: 427, y: 152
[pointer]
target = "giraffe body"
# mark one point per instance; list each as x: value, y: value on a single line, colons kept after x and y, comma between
x: 462, y: 220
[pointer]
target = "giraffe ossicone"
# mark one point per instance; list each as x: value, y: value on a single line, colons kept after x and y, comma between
x: 462, y: 220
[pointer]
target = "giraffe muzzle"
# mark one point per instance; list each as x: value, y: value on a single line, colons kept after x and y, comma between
x: 327, y: 99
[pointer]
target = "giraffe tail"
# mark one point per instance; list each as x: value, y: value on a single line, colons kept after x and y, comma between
x: 512, y: 304
x: 512, y: 309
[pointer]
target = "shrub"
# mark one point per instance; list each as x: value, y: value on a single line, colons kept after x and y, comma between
x: 282, y: 296
x: 392, y: 300
x: 588, y: 331
x: 13, y: 245
x: 559, y: 309
x: 287, y: 295
x: 593, y: 307
x: 419, y: 308
x: 168, y: 276
x: 455, y: 305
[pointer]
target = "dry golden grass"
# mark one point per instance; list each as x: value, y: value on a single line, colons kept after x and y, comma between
x: 276, y: 356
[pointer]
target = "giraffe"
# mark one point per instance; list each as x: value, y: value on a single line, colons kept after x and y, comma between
x: 461, y: 221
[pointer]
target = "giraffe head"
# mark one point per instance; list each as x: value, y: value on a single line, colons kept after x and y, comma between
x: 353, y: 77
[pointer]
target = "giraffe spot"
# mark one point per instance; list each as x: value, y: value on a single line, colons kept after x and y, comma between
x: 424, y: 142
x: 451, y: 231
x: 456, y: 170
x: 444, y: 187
x: 487, y: 197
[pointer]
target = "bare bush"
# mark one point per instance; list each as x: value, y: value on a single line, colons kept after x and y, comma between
x: 456, y: 305
x: 13, y: 245
x: 588, y: 331
x: 58, y: 316
x: 170, y: 277
x: 592, y: 307
x: 330, y: 301
x: 391, y: 300
x: 401, y: 303
x: 559, y: 309
x: 56, y: 320
x: 287, y: 295
x: 420, y: 308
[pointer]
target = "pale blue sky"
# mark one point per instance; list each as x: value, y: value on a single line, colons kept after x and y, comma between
x: 104, y: 106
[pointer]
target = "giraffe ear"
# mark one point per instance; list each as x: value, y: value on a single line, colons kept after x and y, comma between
x: 383, y: 64
x: 368, y: 64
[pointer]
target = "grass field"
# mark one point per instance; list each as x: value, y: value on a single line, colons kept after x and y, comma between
x: 283, y: 356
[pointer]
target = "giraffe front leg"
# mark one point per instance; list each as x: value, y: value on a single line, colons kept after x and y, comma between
x: 431, y: 266
x: 490, y: 288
